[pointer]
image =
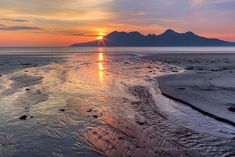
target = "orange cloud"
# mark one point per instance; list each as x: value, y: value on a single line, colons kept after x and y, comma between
x: 38, y: 39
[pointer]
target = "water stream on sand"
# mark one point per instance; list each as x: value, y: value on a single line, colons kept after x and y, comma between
x: 102, y: 104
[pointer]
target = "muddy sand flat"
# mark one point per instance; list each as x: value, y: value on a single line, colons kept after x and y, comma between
x: 99, y: 105
x: 207, y: 84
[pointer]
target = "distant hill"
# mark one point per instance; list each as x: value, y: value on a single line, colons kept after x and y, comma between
x: 168, y: 38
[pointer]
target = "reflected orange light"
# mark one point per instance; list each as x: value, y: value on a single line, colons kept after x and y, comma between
x: 101, y: 58
x: 101, y: 65
x: 101, y: 72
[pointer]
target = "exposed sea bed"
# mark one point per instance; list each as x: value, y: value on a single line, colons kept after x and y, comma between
x: 95, y: 105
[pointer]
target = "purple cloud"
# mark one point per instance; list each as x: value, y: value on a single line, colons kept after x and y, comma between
x: 14, y: 20
x: 20, y: 28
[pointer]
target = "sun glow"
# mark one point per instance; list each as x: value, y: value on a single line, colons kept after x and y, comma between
x: 100, y: 36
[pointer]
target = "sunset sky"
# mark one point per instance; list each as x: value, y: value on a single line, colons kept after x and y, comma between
x: 64, y: 22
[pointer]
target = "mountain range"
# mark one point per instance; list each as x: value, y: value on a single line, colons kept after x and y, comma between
x: 168, y: 38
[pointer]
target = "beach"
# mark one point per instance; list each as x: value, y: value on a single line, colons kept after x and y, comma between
x: 207, y: 84
x: 116, y: 104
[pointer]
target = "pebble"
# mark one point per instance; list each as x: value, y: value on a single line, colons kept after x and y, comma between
x: 24, y: 117
x: 120, y: 138
x: 189, y: 68
x: 95, y: 116
x: 89, y: 110
x: 232, y: 109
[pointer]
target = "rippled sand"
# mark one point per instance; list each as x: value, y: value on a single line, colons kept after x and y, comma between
x: 100, y: 105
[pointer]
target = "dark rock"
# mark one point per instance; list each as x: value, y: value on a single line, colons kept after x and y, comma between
x: 24, y: 117
x: 26, y: 64
x: 95, y: 116
x: 27, y: 89
x: 232, y: 109
x: 120, y: 138
x: 140, y: 120
x: 89, y: 110
x: 31, y: 117
x: 173, y: 68
x: 189, y: 68
x: 140, y: 123
x: 62, y: 109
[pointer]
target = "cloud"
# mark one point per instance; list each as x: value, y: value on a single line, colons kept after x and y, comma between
x: 14, y: 20
x: 86, y: 35
x: 147, y: 16
x: 19, y: 28
x: 56, y: 9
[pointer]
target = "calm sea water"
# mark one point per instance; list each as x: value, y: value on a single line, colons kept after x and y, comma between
x: 138, y: 50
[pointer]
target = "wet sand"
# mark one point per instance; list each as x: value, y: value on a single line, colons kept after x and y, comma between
x: 207, y: 84
x: 100, y: 104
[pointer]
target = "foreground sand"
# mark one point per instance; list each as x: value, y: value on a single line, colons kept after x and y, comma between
x: 100, y: 105
x: 207, y: 84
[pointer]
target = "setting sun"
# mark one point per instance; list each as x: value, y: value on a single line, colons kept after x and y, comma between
x: 100, y: 38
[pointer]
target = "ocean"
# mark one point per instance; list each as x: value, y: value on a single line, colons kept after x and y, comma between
x: 138, y: 50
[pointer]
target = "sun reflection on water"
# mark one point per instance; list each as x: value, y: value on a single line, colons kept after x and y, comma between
x: 101, y: 65
x: 101, y: 72
x: 101, y: 58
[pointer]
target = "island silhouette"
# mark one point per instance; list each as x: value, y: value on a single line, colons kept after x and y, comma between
x: 168, y: 38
